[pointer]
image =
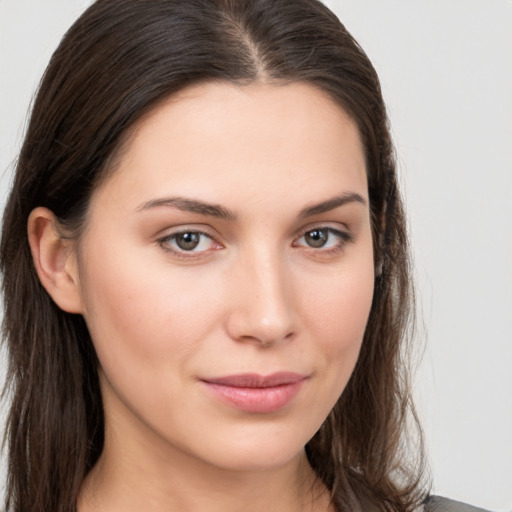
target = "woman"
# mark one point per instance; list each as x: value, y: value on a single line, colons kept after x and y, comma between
x: 210, y: 311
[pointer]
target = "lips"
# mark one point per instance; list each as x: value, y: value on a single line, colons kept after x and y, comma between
x: 256, y: 393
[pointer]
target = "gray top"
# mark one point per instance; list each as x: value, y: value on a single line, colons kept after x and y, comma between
x: 439, y: 504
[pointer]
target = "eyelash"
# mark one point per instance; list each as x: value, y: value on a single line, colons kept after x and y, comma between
x: 182, y: 253
x: 343, y: 236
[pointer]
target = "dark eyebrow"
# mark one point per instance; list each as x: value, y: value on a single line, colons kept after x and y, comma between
x: 331, y: 204
x: 215, y: 210
x: 190, y: 205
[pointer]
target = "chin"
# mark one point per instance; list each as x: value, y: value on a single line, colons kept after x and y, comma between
x: 258, y: 457
x: 255, y: 449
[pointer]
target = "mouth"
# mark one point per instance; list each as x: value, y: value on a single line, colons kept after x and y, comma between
x: 256, y: 393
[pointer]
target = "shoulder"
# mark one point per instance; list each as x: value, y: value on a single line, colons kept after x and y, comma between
x: 439, y: 504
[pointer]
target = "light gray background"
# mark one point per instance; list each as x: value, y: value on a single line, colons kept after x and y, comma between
x: 446, y: 70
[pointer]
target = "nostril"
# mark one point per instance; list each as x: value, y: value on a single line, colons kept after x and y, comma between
x: 249, y: 328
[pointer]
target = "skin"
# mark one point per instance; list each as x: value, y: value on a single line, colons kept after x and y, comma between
x: 253, y: 296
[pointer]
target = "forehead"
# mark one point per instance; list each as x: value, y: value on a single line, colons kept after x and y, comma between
x: 217, y: 137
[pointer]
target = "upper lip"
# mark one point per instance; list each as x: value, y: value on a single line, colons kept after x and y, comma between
x: 254, y: 380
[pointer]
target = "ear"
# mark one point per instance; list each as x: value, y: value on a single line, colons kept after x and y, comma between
x: 55, y: 260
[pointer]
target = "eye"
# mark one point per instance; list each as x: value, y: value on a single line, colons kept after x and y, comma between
x: 316, y: 238
x: 188, y: 242
x: 324, y: 238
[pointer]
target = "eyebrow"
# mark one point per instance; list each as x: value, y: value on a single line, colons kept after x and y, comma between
x: 215, y: 210
x: 331, y: 204
x: 191, y: 205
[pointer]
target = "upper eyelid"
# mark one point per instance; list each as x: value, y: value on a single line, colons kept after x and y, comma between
x: 324, y: 222
x: 176, y: 230
x: 170, y: 236
x: 332, y: 226
x: 332, y: 230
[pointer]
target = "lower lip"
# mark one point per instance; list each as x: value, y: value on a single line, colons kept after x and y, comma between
x: 257, y: 400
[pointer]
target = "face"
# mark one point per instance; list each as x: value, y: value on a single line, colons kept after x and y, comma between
x: 226, y: 273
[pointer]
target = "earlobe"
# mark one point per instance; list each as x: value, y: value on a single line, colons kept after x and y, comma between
x: 55, y: 260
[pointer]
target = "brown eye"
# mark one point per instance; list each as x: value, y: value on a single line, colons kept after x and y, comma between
x: 326, y: 240
x: 187, y: 241
x: 189, y: 244
x: 316, y: 237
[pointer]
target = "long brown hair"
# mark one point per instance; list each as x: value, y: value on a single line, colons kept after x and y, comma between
x: 116, y: 63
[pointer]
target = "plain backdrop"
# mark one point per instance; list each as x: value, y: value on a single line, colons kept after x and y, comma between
x: 446, y: 71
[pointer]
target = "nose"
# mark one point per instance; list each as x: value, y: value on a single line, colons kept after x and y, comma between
x: 262, y: 311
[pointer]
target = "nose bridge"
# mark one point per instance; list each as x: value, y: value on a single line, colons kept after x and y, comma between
x: 264, y: 311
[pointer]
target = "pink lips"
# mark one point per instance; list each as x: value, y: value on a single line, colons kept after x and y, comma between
x: 256, y: 393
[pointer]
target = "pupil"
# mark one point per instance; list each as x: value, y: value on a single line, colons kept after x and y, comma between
x: 316, y: 238
x: 187, y: 241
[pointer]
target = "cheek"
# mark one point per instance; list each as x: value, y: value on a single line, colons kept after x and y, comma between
x: 338, y: 310
x: 147, y: 326
x: 337, y: 314
x: 335, y: 317
x: 142, y: 316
